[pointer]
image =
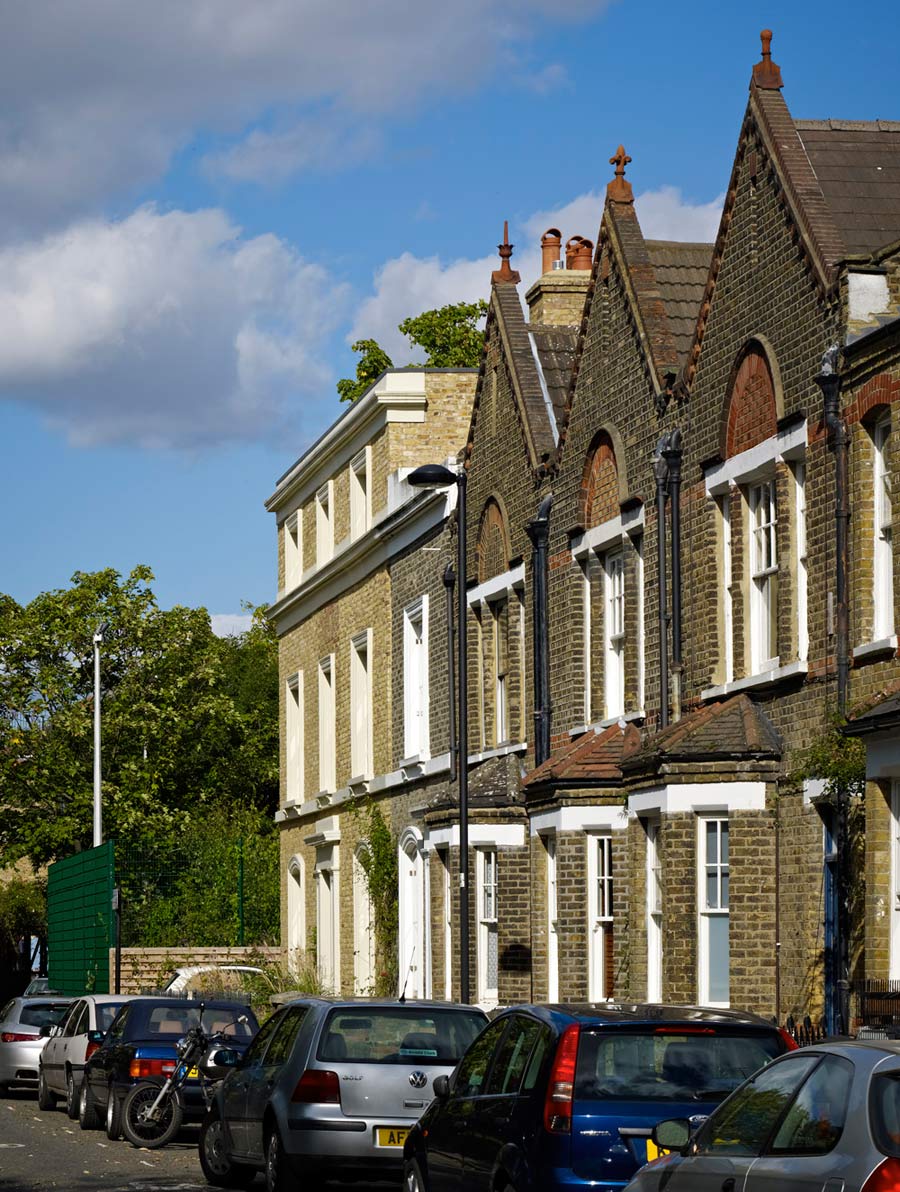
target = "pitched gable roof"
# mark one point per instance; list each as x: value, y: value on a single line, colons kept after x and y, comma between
x: 555, y: 352
x: 736, y: 728
x: 681, y: 270
x: 591, y: 759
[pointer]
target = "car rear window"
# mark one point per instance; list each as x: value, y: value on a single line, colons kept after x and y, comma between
x: 106, y: 1012
x: 40, y: 1013
x: 174, y: 1021
x: 401, y: 1035
x: 667, y: 1066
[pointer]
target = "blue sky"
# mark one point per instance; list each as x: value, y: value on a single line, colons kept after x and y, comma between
x: 203, y: 202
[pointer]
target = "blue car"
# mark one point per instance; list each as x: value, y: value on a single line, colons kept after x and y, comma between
x: 553, y: 1098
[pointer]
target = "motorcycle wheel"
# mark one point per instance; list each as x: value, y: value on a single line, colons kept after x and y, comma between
x: 142, y: 1131
x: 218, y: 1168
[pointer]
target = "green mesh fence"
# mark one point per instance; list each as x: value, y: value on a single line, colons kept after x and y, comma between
x: 79, y: 921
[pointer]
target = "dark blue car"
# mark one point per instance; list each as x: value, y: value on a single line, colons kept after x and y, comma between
x: 561, y: 1097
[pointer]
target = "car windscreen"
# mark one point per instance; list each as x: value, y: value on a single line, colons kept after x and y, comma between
x: 174, y: 1021
x: 40, y: 1013
x: 398, y: 1035
x: 106, y: 1012
x: 659, y: 1065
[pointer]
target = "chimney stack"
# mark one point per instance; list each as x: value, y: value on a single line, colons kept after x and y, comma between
x: 557, y: 298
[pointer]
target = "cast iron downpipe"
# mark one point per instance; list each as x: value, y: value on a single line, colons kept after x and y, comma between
x: 449, y: 582
x: 661, y: 472
x: 673, y: 453
x: 539, y: 533
x: 829, y: 381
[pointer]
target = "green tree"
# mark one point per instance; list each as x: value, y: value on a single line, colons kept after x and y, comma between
x: 189, y: 720
x: 373, y: 361
x: 450, y: 335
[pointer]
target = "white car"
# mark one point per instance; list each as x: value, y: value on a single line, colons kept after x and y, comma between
x: 70, y: 1043
x: 228, y: 976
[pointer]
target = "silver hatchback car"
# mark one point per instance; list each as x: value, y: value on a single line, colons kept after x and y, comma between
x: 21, y: 1041
x: 330, y: 1088
x: 824, y: 1117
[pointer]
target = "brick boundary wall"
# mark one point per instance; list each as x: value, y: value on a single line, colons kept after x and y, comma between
x: 145, y: 970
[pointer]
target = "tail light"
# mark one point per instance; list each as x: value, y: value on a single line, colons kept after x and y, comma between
x: 141, y: 1068
x: 15, y: 1037
x: 789, y: 1041
x: 317, y: 1086
x: 90, y: 1049
x: 561, y: 1087
x: 885, y: 1177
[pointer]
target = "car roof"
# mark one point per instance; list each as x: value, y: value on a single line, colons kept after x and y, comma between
x: 184, y: 1003
x: 100, y: 999
x: 645, y: 1013
x: 374, y: 1003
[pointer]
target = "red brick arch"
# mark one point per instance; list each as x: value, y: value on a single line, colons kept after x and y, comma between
x: 877, y: 393
x: 752, y: 415
x: 600, y: 483
x: 493, y: 549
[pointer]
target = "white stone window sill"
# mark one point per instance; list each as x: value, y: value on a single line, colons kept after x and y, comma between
x: 766, y: 678
x: 359, y: 783
x: 599, y: 725
x: 884, y: 645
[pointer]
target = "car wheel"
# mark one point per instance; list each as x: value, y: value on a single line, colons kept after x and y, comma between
x: 71, y: 1097
x: 113, y: 1117
x: 88, y: 1115
x: 413, y: 1180
x: 278, y: 1178
x: 46, y: 1099
x: 218, y: 1167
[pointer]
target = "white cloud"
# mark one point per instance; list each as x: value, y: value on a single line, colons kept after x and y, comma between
x: 96, y: 96
x: 164, y: 329
x: 275, y: 156
x: 230, y: 624
x: 407, y: 285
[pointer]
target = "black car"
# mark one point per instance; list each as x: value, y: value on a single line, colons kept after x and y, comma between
x: 557, y: 1098
x: 140, y: 1045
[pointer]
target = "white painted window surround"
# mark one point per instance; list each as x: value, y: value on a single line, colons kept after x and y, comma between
x: 363, y: 928
x: 325, y: 524
x: 724, y: 503
x: 801, y: 569
x: 894, y: 909
x: 361, y: 705
x: 360, y: 472
x: 713, y: 902
x: 487, y: 952
x: 328, y: 925
x: 413, y: 961
x: 883, y: 553
x: 654, y: 913
x: 600, y: 914
x: 416, y: 702
x: 293, y: 550
x: 764, y: 575
x: 294, y: 744
x: 552, y: 921
x: 327, y: 760
x: 296, y: 909
x: 614, y: 632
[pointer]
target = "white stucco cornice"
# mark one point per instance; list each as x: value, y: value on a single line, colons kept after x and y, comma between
x: 397, y: 396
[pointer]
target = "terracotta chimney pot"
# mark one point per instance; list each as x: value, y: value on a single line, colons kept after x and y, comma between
x: 584, y: 254
x: 550, y: 242
x: 571, y: 249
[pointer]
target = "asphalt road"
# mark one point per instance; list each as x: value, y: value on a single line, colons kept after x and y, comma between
x: 42, y: 1151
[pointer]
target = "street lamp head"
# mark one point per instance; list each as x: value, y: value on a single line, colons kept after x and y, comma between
x: 432, y: 476
x: 100, y: 632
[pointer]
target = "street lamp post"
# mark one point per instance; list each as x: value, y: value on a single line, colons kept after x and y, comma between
x: 98, y: 806
x: 437, y: 476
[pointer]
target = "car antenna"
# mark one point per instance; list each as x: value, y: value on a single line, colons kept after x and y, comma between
x: 409, y: 967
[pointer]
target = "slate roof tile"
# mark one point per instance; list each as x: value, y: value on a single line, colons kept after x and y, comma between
x: 593, y: 757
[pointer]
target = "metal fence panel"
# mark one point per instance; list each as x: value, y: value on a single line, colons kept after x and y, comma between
x: 79, y: 920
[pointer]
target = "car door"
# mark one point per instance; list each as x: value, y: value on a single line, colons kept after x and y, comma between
x: 262, y: 1080
x: 496, y: 1124
x: 56, y: 1049
x: 448, y: 1129
x: 722, y: 1153
x: 806, y: 1149
x: 235, y: 1085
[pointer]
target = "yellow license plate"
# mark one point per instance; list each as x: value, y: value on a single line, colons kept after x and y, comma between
x: 654, y: 1151
x: 390, y: 1135
x: 194, y: 1074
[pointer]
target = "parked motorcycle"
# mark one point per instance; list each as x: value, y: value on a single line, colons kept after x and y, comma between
x: 152, y: 1113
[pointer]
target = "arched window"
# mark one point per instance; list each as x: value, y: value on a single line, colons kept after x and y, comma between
x: 600, y: 483
x: 493, y: 550
x: 296, y: 911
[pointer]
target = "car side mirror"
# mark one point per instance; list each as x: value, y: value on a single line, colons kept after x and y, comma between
x: 220, y: 1062
x: 441, y: 1087
x: 96, y: 1036
x: 672, y: 1135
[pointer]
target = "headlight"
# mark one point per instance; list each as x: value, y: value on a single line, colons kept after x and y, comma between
x: 182, y: 1045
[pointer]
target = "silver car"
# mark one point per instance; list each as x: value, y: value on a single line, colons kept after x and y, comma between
x: 21, y: 1042
x: 70, y: 1043
x: 330, y: 1088
x: 823, y: 1117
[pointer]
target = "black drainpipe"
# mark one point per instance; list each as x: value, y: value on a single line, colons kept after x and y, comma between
x: 661, y: 472
x: 539, y: 533
x: 829, y: 381
x: 673, y: 453
x: 449, y: 584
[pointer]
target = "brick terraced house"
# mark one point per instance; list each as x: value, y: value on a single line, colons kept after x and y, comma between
x: 693, y: 445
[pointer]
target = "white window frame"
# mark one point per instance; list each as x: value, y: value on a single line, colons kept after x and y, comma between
x: 294, y: 744
x: 614, y: 631
x: 586, y: 565
x: 411, y: 914
x: 724, y: 504
x: 293, y: 550
x: 653, y: 912
x: 361, y: 704
x: 486, y: 887
x: 708, y: 909
x: 416, y: 697
x: 882, y: 520
x: 327, y: 743
x: 328, y: 919
x: 801, y: 573
x: 552, y: 919
x: 448, y: 925
x: 360, y: 473
x: 601, y: 895
x: 894, y: 910
x: 501, y: 681
x: 296, y: 910
x: 325, y: 524
x: 763, y: 523
x: 363, y: 929
x: 638, y: 544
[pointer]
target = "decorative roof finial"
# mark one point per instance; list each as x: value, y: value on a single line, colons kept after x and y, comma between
x: 504, y: 273
x: 619, y: 190
x: 766, y: 75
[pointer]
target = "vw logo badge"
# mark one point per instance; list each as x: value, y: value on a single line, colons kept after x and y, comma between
x: 418, y: 1080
